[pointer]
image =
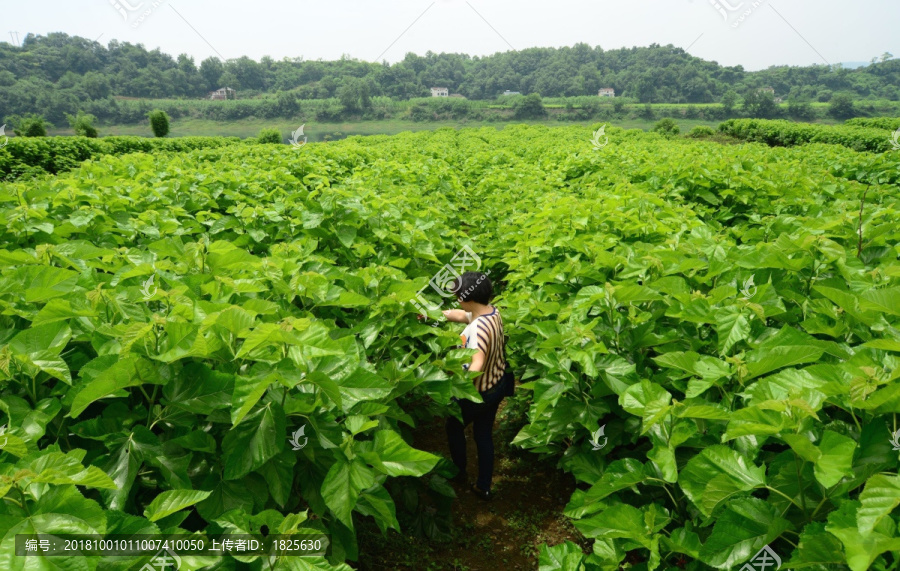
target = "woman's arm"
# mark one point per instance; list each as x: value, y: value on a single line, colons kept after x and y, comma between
x: 457, y: 315
x: 477, y: 361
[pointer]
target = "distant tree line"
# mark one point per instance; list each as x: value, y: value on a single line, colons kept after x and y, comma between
x: 59, y: 75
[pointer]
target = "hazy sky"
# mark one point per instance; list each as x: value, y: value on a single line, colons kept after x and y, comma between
x: 752, y: 33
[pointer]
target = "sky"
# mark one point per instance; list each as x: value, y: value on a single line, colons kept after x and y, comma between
x: 753, y: 33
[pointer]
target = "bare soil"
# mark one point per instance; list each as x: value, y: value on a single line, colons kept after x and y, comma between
x: 503, y: 533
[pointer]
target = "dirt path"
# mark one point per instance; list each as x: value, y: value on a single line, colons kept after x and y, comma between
x: 503, y: 533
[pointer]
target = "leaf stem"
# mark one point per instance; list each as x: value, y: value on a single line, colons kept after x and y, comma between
x: 782, y: 494
x: 797, y: 463
x: 24, y: 500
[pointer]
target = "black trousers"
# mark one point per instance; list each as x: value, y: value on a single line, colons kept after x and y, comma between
x: 482, y: 415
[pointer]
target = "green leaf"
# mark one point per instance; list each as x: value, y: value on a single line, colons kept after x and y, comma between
x: 682, y: 540
x: 620, y: 475
x: 754, y: 421
x: 172, y: 501
x: 879, y: 498
x: 40, y: 283
x: 886, y: 300
x: 703, y: 366
x: 126, y: 457
x: 617, y: 521
x: 60, y: 510
x: 817, y: 549
x: 836, y: 459
x: 40, y: 347
x: 342, y: 485
x: 394, y: 457
x: 731, y: 469
x: 647, y: 400
x: 731, y: 327
x: 254, y: 441
x: 13, y: 444
x: 860, y: 549
x: 563, y: 557
x: 363, y: 385
x: 787, y: 348
x: 123, y: 371
x: 378, y: 503
x: 740, y: 531
x: 57, y: 468
x: 279, y: 475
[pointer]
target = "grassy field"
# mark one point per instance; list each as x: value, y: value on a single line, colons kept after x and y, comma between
x: 318, y: 131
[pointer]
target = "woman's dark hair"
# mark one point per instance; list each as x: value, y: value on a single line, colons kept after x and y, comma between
x: 473, y: 286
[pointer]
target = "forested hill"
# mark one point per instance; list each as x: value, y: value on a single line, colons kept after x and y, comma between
x: 55, y: 72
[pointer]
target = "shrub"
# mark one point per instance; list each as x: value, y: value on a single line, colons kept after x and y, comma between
x: 787, y: 134
x: 529, y: 107
x: 32, y: 125
x: 269, y: 135
x: 701, y: 131
x: 83, y: 124
x: 666, y: 127
x: 159, y: 122
x: 841, y: 106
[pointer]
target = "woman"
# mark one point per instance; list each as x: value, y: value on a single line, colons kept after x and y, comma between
x: 484, y: 332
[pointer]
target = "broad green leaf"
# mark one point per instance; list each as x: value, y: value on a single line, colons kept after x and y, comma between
x: 60, y: 510
x: 836, y: 459
x: 124, y: 461
x: 128, y: 371
x: 804, y: 448
x: 253, y: 442
x: 393, y: 456
x: 13, y: 444
x: 342, y: 485
x: 860, y: 549
x: 279, y: 475
x: 816, y: 549
x: 617, y: 521
x: 731, y: 328
x: 703, y: 366
x: 40, y: 347
x: 172, y: 501
x: 718, y: 462
x: 787, y: 348
x: 878, y: 499
x: 647, y: 400
x: 740, y: 531
x: 379, y: 504
x: 563, y: 557
x: 886, y: 300
x: 754, y: 421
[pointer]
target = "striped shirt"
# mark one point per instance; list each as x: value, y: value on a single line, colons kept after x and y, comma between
x: 485, y: 332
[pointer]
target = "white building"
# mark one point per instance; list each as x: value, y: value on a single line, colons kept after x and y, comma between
x: 440, y: 92
x: 223, y: 93
x: 508, y: 92
x: 606, y: 92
